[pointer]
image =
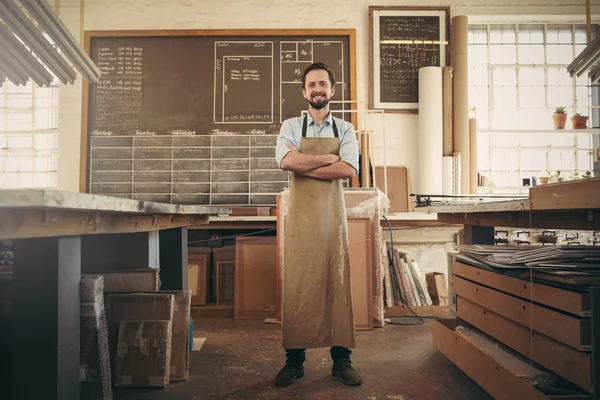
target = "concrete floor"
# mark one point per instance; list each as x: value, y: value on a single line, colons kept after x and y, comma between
x: 240, y: 359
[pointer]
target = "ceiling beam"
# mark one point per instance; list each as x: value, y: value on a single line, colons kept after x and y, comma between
x: 13, y: 47
x: 60, y: 34
x: 32, y: 37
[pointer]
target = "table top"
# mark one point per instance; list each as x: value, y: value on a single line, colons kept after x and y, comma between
x: 479, y: 206
x: 51, y: 199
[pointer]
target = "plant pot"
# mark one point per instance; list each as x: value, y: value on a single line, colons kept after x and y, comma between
x: 559, y: 120
x: 543, y: 180
x: 579, y: 122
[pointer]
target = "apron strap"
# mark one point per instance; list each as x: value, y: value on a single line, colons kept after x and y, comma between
x: 335, y: 131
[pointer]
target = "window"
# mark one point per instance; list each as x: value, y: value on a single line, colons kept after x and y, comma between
x: 517, y: 76
x: 28, y: 135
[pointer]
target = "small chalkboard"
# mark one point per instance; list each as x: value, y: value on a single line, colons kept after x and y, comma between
x: 403, y: 40
x: 192, y: 117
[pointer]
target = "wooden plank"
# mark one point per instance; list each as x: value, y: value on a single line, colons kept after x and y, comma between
x: 426, y: 311
x: 566, y: 329
x: 19, y: 223
x: 563, y: 360
x: 565, y: 300
x: 492, y: 376
x: 575, y: 219
x: 577, y: 194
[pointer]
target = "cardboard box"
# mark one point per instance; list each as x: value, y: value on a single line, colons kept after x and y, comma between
x: 180, y: 363
x: 143, y: 354
x: 156, y: 306
x: 130, y: 280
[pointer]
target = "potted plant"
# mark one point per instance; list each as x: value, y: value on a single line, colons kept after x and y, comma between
x: 579, y: 121
x: 559, y: 118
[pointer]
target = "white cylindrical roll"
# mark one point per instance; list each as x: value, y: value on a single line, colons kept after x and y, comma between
x: 447, y: 174
x: 430, y: 130
x: 473, y: 177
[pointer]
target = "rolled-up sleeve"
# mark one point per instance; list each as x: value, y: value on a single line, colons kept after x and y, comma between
x: 349, y: 147
x: 286, y: 136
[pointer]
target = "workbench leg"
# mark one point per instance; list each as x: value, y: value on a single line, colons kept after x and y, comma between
x: 475, y: 234
x: 595, y: 293
x: 174, y: 258
x: 45, y: 351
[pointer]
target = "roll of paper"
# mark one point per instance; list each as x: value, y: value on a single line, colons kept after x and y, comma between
x: 473, y: 155
x: 430, y: 130
x: 447, y: 175
x: 460, y: 60
x: 447, y: 111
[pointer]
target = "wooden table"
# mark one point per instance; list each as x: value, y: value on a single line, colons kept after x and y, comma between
x: 570, y: 205
x: 57, y: 235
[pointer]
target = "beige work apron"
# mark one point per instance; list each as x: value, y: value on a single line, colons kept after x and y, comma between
x: 317, y: 296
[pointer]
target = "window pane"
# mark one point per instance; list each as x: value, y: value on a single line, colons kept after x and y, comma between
x: 580, y: 34
x: 561, y: 161
x: 562, y: 139
x: 478, y: 76
x: 560, y: 34
x: 478, y: 34
x: 478, y: 55
x: 583, y: 100
x: 531, y: 54
x: 559, y: 54
x: 532, y: 96
x: 483, y: 151
x: 533, y: 160
x: 560, y: 96
x: 42, y: 180
x: 16, y: 142
x: 503, y: 54
x: 505, y: 77
x: 531, y: 34
x: 559, y: 77
x: 532, y: 77
x: 585, y: 161
x: 502, y: 34
x: 505, y: 97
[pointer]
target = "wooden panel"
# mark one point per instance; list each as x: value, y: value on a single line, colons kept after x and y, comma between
x: 576, y: 219
x: 566, y: 195
x: 425, y: 311
x: 485, y: 370
x: 563, y: 360
x: 398, y: 187
x: 20, y: 223
x: 255, y: 277
x: 198, y: 278
x: 565, y: 300
x: 361, y: 269
x: 569, y: 330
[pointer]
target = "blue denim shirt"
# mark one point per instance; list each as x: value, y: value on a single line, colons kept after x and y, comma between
x: 291, y: 133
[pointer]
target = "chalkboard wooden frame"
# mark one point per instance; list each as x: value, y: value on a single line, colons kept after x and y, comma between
x: 375, y: 101
x: 349, y: 34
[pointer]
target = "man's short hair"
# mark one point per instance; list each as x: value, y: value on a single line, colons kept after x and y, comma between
x: 318, y: 65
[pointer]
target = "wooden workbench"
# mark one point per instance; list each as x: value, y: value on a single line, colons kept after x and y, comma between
x: 571, y: 205
x: 57, y: 235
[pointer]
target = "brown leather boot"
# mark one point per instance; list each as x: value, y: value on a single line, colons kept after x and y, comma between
x: 342, y: 369
x: 288, y: 374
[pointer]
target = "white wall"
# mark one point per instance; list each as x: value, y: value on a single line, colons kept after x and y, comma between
x: 401, y: 130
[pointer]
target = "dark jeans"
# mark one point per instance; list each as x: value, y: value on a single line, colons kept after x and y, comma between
x: 297, y: 356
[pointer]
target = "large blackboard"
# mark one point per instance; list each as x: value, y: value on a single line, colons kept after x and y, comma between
x: 193, y: 119
x: 403, y: 41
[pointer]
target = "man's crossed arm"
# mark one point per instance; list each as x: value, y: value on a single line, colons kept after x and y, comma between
x: 319, y: 166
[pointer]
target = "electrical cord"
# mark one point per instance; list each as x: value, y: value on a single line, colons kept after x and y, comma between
x: 392, y: 258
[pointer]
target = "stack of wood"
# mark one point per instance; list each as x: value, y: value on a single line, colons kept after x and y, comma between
x: 406, y: 284
x: 147, y: 331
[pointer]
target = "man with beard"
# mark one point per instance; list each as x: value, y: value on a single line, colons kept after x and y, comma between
x: 320, y: 150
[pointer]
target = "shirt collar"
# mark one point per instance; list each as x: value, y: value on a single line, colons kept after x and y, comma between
x: 312, y: 121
